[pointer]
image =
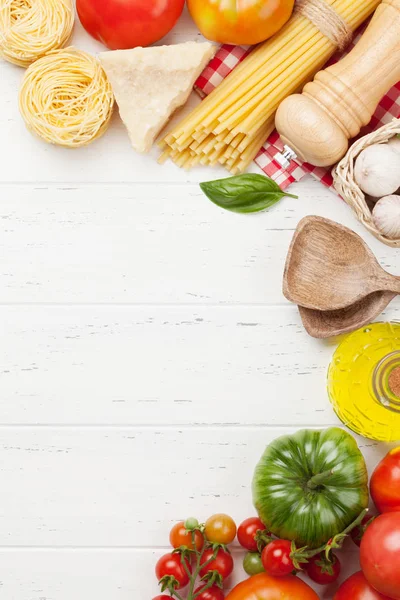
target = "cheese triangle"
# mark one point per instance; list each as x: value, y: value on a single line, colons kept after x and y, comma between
x: 149, y: 84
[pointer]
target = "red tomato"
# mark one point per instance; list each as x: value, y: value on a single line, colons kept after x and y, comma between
x: 241, y: 21
x: 162, y: 597
x: 357, y: 588
x: 121, y: 24
x: 213, y: 593
x: 380, y: 554
x: 180, y: 537
x: 358, y: 532
x: 276, y: 558
x: 247, y: 532
x: 171, y: 565
x: 321, y: 571
x: 220, y: 529
x: 223, y: 563
x: 385, y: 483
x: 264, y: 587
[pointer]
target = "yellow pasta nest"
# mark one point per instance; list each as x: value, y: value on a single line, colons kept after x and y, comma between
x: 31, y: 28
x: 66, y: 98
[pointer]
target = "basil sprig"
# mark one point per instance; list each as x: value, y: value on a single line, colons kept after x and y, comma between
x: 246, y: 193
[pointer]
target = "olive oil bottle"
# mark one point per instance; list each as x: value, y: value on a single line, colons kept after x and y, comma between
x: 364, y: 381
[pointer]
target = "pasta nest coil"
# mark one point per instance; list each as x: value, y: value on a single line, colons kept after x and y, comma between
x: 31, y: 28
x: 66, y: 98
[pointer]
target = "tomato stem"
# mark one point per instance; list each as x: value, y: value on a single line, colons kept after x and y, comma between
x: 208, y: 585
x: 320, y: 479
x: 193, y: 576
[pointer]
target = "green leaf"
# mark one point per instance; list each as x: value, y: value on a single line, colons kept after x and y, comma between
x: 246, y: 193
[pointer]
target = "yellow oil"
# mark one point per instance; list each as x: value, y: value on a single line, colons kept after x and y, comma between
x: 363, y: 381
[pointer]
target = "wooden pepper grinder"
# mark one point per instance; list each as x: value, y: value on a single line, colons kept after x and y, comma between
x: 318, y: 123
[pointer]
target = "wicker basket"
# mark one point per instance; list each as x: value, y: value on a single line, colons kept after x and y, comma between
x: 346, y: 186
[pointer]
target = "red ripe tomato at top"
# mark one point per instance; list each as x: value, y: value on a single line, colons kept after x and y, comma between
x: 385, y: 483
x: 241, y: 21
x: 123, y: 24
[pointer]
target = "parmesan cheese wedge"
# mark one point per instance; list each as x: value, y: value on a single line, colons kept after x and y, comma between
x: 149, y: 84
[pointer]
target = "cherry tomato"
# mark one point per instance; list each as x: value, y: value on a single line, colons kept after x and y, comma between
x: 122, y: 24
x: 322, y: 571
x: 171, y: 565
x: 191, y: 523
x: 380, y: 554
x: 213, y: 593
x: 247, y: 532
x: 385, y: 483
x: 358, y: 532
x: 223, y: 563
x: 358, y: 588
x: 276, y: 558
x: 252, y: 563
x: 179, y: 536
x: 162, y: 597
x: 240, y: 21
x: 220, y: 529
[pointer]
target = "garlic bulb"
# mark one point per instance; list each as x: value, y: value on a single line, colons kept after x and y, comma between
x: 377, y: 170
x: 394, y: 143
x: 386, y: 216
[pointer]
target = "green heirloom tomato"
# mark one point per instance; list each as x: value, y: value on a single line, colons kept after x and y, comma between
x: 310, y: 486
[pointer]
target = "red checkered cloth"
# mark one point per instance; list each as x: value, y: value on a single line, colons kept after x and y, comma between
x: 226, y: 60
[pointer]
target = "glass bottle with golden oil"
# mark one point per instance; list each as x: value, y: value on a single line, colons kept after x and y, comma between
x: 364, y: 381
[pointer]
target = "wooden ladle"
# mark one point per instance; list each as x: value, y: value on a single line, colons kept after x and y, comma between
x: 330, y: 323
x: 329, y: 267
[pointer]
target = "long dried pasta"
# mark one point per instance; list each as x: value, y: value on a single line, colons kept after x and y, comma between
x: 66, y: 98
x: 232, y: 123
x: 31, y: 28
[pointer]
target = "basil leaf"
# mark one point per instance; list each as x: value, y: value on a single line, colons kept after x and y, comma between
x: 246, y: 193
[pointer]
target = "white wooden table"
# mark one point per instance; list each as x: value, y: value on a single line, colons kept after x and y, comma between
x: 147, y: 356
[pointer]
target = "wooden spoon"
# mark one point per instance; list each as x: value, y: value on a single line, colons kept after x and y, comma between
x: 325, y: 324
x: 330, y: 267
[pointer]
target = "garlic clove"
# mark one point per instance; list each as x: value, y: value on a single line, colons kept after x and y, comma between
x: 386, y: 216
x: 394, y: 143
x: 377, y: 170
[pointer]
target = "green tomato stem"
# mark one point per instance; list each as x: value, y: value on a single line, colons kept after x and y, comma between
x: 208, y: 585
x: 199, y: 555
x: 320, y: 479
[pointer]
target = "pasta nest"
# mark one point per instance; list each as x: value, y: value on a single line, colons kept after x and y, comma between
x: 31, y: 28
x: 66, y: 98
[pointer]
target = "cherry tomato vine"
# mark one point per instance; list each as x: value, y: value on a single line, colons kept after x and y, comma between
x: 200, y: 553
x: 201, y: 561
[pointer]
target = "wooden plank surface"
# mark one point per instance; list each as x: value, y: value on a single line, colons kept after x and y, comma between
x: 162, y: 364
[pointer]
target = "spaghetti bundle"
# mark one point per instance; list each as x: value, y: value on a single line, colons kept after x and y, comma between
x: 232, y: 123
x: 66, y: 98
x: 31, y: 28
